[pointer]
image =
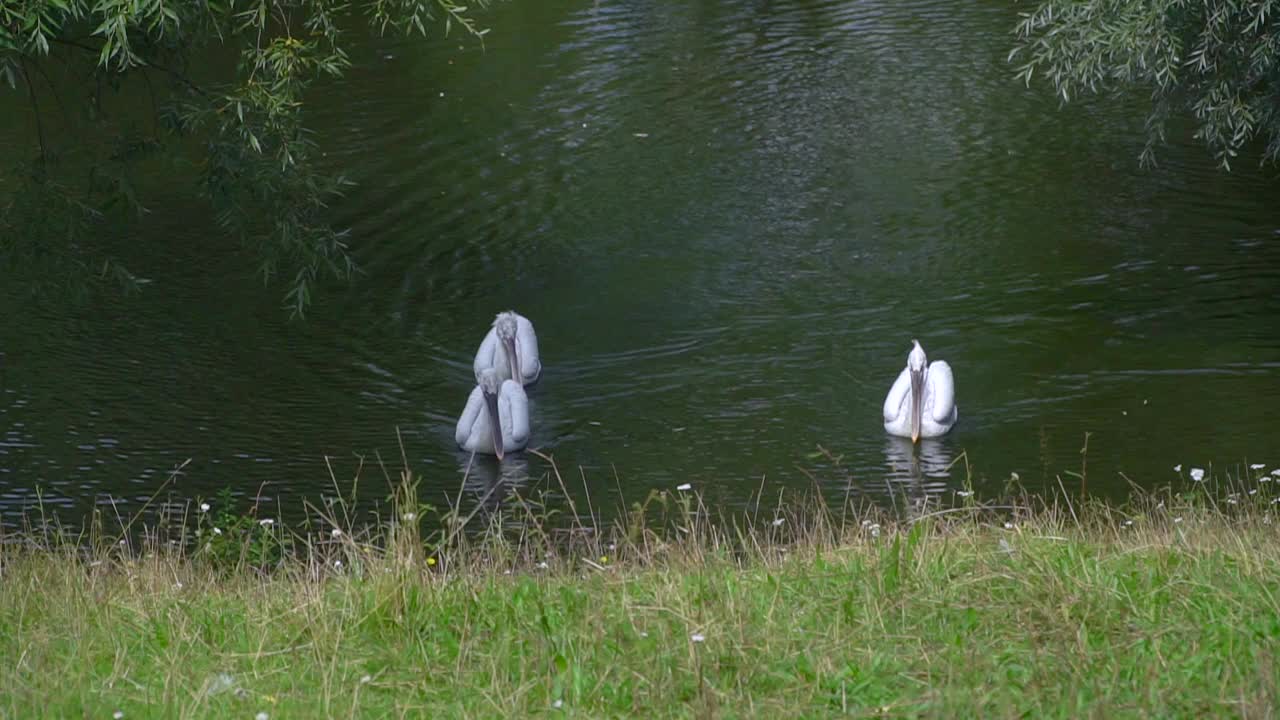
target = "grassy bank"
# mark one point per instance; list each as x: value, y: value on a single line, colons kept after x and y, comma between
x: 1167, y: 608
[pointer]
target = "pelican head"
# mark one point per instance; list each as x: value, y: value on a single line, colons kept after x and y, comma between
x: 505, y: 327
x: 489, y: 384
x: 916, y: 364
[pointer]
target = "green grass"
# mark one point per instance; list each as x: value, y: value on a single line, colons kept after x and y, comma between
x: 1069, y: 612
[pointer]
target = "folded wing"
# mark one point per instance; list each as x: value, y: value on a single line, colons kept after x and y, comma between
x: 940, y: 394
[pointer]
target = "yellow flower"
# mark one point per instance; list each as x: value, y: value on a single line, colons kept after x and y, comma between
x: 604, y: 558
x: 431, y: 561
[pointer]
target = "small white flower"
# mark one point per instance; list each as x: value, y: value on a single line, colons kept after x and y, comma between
x: 1257, y: 466
x: 261, y: 716
x: 117, y: 714
x: 266, y: 522
x: 1128, y: 523
x: 685, y: 486
x: 1014, y: 476
x: 365, y: 679
x: 1197, y: 474
x: 337, y: 564
x: 1177, y: 468
x: 204, y: 507
x: 177, y: 584
x: 217, y: 531
x: 1275, y: 501
x: 697, y: 637
x: 1177, y: 520
x: 557, y: 704
x: 964, y: 493
x: 542, y: 565
x: 644, y: 634
x: 1276, y: 472
x: 1264, y: 479
x: 778, y: 522
x: 875, y: 530
x: 335, y: 533
x: 410, y: 517
x: 866, y: 523
x: 1008, y: 526
x: 1253, y: 491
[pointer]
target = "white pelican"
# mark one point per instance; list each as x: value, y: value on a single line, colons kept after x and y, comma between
x: 496, y: 419
x: 510, y: 348
x: 922, y: 401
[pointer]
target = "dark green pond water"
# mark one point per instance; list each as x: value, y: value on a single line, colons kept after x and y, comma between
x: 727, y: 221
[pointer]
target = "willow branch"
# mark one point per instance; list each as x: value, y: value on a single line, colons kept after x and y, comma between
x: 35, y: 105
x: 53, y: 90
x: 145, y: 63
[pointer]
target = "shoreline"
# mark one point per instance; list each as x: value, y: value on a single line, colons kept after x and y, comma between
x: 1169, y: 605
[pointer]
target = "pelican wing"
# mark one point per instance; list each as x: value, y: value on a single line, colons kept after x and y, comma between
x: 485, y: 353
x: 470, y: 415
x: 895, y: 401
x: 513, y: 407
x: 527, y: 342
x: 940, y: 393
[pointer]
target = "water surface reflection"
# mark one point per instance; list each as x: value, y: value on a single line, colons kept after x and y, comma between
x: 727, y: 221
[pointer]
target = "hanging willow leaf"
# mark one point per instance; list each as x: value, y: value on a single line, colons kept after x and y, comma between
x: 257, y: 158
x: 1215, y: 60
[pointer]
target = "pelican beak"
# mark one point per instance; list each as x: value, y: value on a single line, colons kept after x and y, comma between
x: 917, y: 403
x: 495, y: 423
x: 514, y: 358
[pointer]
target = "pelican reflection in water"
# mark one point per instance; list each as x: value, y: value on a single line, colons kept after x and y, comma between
x: 922, y: 401
x: 510, y: 349
x: 496, y: 418
x: 925, y: 465
x: 488, y: 486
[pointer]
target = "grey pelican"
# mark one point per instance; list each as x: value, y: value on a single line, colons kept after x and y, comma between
x: 510, y: 348
x: 922, y: 401
x: 496, y: 418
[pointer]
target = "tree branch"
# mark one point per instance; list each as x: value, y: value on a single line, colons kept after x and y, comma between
x: 53, y: 90
x: 35, y: 105
x: 145, y: 63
